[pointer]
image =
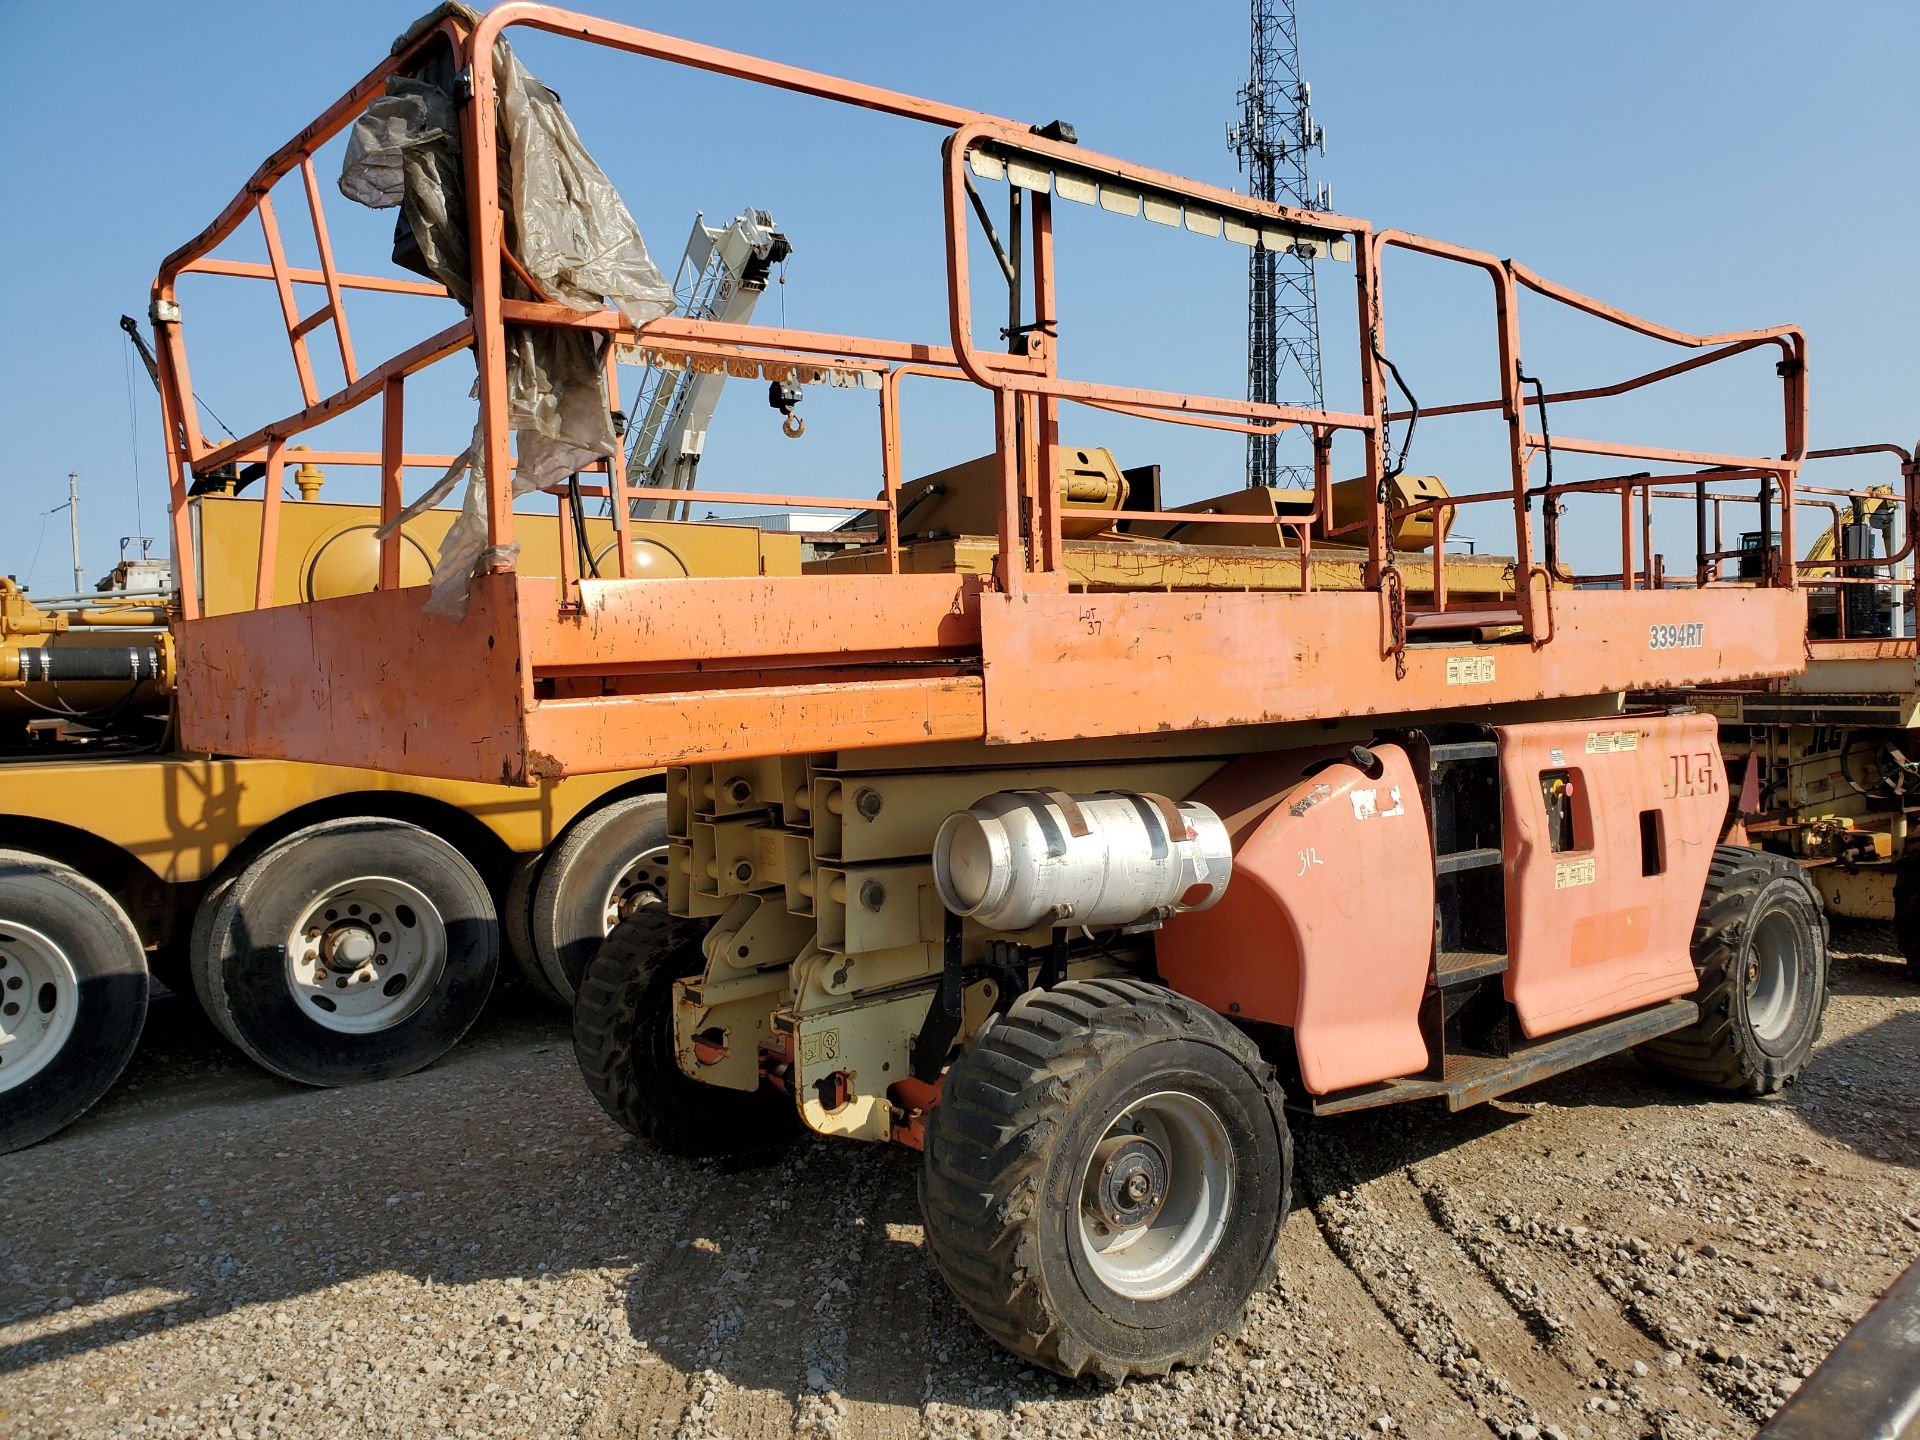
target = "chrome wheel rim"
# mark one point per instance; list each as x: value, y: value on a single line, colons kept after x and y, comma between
x: 1154, y: 1195
x: 1776, y: 971
x: 39, y: 1002
x: 639, y: 885
x: 366, y: 954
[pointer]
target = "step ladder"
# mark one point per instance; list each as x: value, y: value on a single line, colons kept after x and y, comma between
x: 1475, y: 1046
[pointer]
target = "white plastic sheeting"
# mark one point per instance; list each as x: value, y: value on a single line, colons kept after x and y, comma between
x: 567, y: 227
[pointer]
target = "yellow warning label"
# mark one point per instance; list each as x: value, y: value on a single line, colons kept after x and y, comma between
x: 1569, y: 873
x: 1612, y: 742
x: 1470, y: 670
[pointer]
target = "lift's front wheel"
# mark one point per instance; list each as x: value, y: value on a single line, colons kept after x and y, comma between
x: 73, y: 996
x: 623, y: 1041
x: 1105, y: 1178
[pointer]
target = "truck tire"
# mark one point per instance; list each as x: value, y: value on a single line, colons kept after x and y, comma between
x: 351, y: 950
x: 623, y: 1041
x: 1906, y: 906
x: 1760, y: 950
x: 516, y: 929
x: 1105, y: 1177
x: 73, y: 996
x: 609, y: 865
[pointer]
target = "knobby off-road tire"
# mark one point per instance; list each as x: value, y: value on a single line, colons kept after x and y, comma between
x: 351, y: 950
x: 1906, y: 907
x: 73, y: 996
x: 1760, y: 950
x: 1086, y: 1108
x: 623, y: 1041
x: 610, y: 865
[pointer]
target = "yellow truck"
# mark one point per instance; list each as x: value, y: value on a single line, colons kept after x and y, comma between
x: 381, y: 903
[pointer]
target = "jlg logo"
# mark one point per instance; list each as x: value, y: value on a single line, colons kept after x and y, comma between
x: 1692, y: 773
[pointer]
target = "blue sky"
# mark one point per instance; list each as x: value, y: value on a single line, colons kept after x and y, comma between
x: 1712, y: 166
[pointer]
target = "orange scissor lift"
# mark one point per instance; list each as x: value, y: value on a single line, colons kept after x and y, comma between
x: 1071, y: 841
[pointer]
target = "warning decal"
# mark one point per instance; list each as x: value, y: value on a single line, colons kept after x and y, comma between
x: 1569, y: 873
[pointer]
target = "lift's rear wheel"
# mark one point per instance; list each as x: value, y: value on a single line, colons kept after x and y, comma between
x: 623, y: 1040
x: 73, y: 996
x: 516, y: 929
x: 1760, y: 950
x: 607, y: 867
x: 351, y: 950
x: 1105, y: 1178
x: 1906, y: 906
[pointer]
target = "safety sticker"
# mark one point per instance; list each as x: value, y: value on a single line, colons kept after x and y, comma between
x: 817, y: 1046
x: 1569, y: 873
x: 1470, y: 670
x: 1612, y: 742
x: 1366, y: 804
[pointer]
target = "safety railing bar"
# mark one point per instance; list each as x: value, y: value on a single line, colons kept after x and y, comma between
x: 322, y: 243
x: 1176, y: 407
x: 1148, y: 412
x: 712, y: 58
x: 1787, y: 337
x: 253, y: 270
x: 1622, y: 450
x: 1880, y: 449
x: 1194, y: 517
x: 314, y: 321
x: 289, y: 311
x: 617, y: 470
x: 331, y: 121
x: 266, y: 562
x: 370, y: 459
x: 1598, y: 392
x: 449, y: 341
x: 392, y: 459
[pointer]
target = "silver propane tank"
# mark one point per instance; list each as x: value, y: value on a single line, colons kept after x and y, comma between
x: 1021, y: 857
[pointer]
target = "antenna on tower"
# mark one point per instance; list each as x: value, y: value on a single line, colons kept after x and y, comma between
x: 1271, y: 140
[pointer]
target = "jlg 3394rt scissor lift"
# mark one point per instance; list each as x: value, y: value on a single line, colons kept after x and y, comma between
x: 1065, y: 832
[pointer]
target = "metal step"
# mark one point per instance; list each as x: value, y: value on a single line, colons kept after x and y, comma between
x: 1466, y: 860
x: 1455, y: 751
x: 1462, y: 967
x: 1474, y: 1078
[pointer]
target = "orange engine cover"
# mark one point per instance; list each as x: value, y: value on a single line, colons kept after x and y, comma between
x: 1604, y: 886
x: 1327, y: 924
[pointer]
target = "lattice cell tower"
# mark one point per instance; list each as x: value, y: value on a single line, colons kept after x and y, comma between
x: 1272, y: 139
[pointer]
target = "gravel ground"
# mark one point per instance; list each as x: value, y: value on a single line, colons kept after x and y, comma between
x: 475, y: 1251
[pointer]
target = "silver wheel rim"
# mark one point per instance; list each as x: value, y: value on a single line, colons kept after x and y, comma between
x: 366, y: 954
x: 640, y: 885
x: 1775, y: 973
x: 39, y: 1002
x: 1155, y: 1195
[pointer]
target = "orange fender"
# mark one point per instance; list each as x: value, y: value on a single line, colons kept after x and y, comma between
x: 1327, y: 924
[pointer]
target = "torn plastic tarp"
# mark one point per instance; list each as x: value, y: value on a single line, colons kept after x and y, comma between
x: 566, y: 226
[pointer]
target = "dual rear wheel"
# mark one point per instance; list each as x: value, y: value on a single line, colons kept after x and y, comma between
x: 562, y: 903
x: 73, y: 996
x: 351, y: 950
